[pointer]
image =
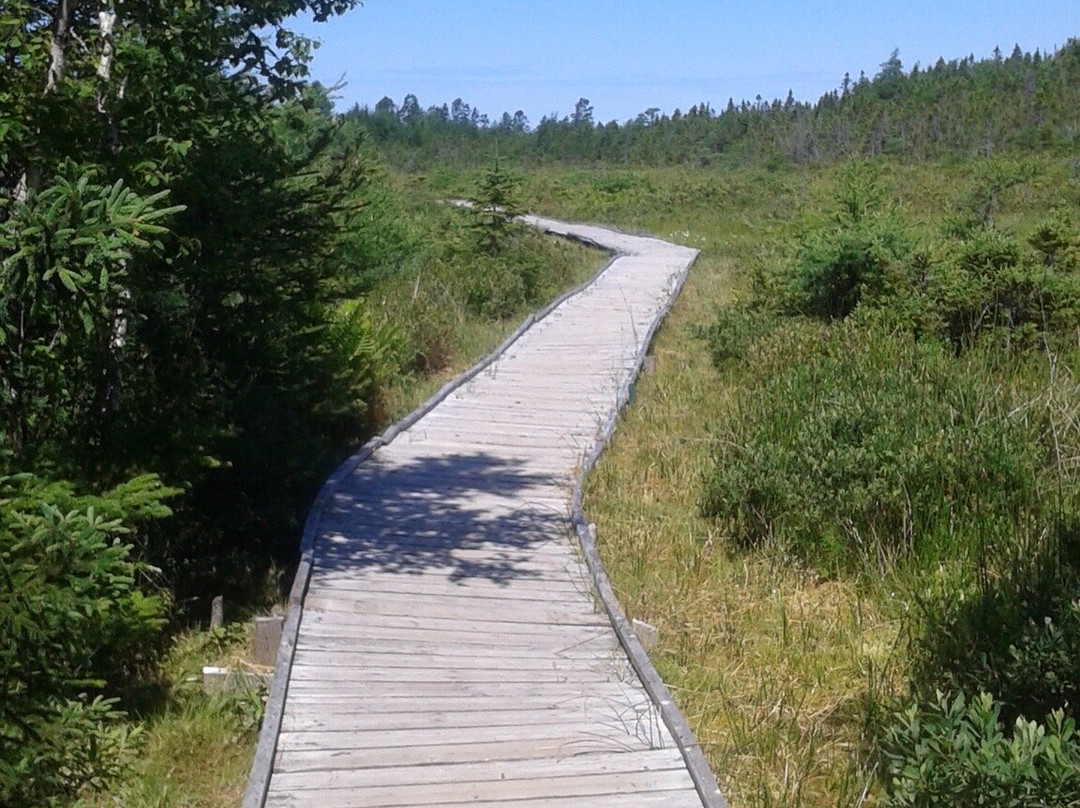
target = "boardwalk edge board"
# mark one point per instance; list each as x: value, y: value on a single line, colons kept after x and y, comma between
x: 703, y: 780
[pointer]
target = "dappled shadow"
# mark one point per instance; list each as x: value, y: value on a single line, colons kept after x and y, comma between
x: 470, y: 515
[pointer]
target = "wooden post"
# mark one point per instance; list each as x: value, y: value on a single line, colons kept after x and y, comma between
x: 647, y: 635
x: 267, y: 639
x: 217, y: 612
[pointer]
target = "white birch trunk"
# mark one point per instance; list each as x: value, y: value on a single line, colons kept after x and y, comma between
x: 30, y: 179
x: 61, y: 33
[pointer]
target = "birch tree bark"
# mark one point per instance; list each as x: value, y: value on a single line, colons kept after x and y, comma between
x: 60, y: 37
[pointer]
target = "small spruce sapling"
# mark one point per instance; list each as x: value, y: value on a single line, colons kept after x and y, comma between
x: 495, y: 206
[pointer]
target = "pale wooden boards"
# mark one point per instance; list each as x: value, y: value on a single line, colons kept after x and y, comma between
x: 451, y: 649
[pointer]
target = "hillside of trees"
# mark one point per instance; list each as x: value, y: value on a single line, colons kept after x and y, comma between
x: 960, y: 108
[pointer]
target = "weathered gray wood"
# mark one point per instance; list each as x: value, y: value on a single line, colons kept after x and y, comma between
x: 267, y: 638
x: 448, y: 619
x: 217, y: 612
x: 501, y: 642
x: 568, y: 788
x: 559, y: 747
x: 435, y: 607
x: 366, y: 675
x: 683, y: 798
x: 513, y: 693
x: 611, y: 738
x: 478, y: 772
x: 445, y: 718
x: 393, y: 647
x: 331, y: 583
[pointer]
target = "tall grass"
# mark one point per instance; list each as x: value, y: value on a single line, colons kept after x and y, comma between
x: 439, y: 297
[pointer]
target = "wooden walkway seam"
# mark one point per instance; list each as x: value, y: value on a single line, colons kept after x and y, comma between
x: 445, y: 642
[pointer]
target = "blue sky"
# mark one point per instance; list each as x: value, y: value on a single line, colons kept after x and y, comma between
x: 628, y: 56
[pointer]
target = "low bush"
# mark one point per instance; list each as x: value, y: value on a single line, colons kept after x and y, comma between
x: 972, y: 280
x: 839, y: 266
x: 956, y: 752
x: 856, y: 445
x: 733, y: 332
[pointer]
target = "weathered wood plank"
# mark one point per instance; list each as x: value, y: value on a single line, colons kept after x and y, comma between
x: 332, y: 582
x: 337, y: 676
x: 569, y: 788
x: 625, y: 705
x: 560, y: 747
x: 461, y: 719
x: 612, y: 738
x: 681, y: 798
x: 492, y: 626
x: 485, y: 657
x: 469, y: 563
x: 388, y: 645
x: 485, y: 771
x: 581, y: 612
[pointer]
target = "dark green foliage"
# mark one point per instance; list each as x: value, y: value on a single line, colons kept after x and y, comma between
x: 1013, y: 629
x: 733, y: 333
x: 171, y: 207
x: 64, y: 302
x: 74, y: 621
x: 375, y: 352
x: 974, y: 281
x: 856, y: 255
x: 828, y: 458
x: 839, y: 266
x: 196, y: 351
x: 989, y: 282
x: 495, y: 207
x: 955, y: 752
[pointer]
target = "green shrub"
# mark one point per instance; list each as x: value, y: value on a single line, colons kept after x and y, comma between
x: 857, y: 443
x: 954, y: 752
x: 734, y: 331
x: 495, y: 207
x: 373, y: 352
x: 991, y: 282
x: 974, y: 280
x: 73, y: 625
x: 838, y: 267
x: 856, y: 254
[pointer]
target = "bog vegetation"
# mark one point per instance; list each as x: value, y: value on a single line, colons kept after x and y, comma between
x: 847, y: 495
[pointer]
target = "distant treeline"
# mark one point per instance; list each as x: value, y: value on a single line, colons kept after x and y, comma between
x: 963, y: 107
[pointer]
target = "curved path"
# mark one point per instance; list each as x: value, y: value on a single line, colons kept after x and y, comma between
x: 448, y: 641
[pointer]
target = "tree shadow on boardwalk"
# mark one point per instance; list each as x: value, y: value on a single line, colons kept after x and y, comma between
x: 467, y: 515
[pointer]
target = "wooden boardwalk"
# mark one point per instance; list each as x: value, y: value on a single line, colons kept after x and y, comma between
x: 453, y: 646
